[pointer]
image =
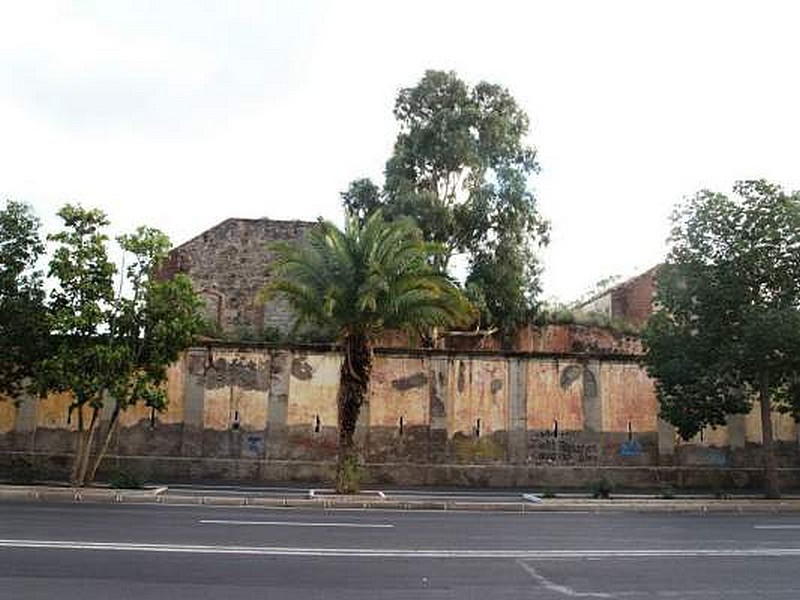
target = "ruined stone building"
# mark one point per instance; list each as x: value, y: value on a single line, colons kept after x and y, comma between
x: 630, y: 301
x: 227, y: 265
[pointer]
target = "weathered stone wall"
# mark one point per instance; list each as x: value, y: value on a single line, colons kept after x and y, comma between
x: 228, y: 268
x: 432, y: 417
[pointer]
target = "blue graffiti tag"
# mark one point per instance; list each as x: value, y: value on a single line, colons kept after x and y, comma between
x: 630, y: 448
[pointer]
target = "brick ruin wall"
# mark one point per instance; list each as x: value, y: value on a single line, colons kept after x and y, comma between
x: 630, y: 301
x: 228, y: 267
x: 433, y: 417
x: 633, y: 301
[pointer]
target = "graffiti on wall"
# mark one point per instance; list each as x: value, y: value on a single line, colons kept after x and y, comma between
x: 630, y: 448
x: 254, y: 444
x: 565, y: 448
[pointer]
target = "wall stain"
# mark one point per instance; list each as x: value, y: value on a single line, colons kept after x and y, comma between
x: 301, y: 369
x: 496, y: 385
x: 569, y: 375
x: 241, y: 373
x: 412, y: 381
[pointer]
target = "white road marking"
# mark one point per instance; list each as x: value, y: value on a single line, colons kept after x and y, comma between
x: 400, y: 553
x: 559, y: 589
x: 297, y: 524
x: 776, y: 526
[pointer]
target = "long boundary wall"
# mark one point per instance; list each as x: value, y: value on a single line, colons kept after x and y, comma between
x: 433, y: 417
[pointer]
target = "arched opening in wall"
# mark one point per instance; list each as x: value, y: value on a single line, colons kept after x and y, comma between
x: 212, y: 306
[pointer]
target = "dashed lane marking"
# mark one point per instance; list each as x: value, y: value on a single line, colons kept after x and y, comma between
x: 297, y: 524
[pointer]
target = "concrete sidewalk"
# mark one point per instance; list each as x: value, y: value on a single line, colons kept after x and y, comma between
x: 385, y: 501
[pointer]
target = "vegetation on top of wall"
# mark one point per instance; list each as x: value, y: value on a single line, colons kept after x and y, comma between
x: 599, y: 288
x: 561, y: 315
x: 211, y: 331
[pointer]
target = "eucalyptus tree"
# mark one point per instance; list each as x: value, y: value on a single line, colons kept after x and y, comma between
x: 460, y: 167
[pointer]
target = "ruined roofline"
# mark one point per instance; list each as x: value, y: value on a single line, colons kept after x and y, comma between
x: 323, y: 347
x: 623, y: 284
x: 241, y: 220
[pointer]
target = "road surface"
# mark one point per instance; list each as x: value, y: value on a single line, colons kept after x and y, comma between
x: 135, y: 552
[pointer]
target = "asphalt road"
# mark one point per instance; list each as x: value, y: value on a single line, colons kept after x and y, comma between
x: 91, y: 552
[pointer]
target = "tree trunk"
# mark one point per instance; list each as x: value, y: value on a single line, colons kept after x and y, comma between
x: 112, y: 426
x: 87, y: 449
x: 770, y: 464
x: 80, y: 445
x: 353, y: 384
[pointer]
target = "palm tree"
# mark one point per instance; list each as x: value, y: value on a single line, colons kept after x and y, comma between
x: 359, y: 282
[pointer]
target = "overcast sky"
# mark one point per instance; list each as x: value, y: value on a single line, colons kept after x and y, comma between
x: 181, y: 114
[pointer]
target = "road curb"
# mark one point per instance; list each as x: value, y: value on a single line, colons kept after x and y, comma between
x: 161, y: 495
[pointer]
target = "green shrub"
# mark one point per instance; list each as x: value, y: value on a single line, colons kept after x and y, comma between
x: 602, y: 488
x: 667, y: 492
x: 548, y: 493
x: 126, y: 480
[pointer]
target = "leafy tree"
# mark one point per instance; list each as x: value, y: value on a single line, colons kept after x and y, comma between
x: 728, y: 328
x: 460, y: 168
x: 111, y: 347
x: 358, y: 282
x: 23, y: 320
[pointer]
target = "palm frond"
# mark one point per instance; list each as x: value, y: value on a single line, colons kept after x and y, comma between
x: 366, y: 278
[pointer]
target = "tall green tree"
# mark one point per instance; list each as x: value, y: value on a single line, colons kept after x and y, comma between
x: 358, y: 282
x: 460, y: 168
x: 112, y: 346
x: 727, y: 330
x: 23, y: 319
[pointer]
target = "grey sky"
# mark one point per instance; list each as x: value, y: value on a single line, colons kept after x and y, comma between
x: 180, y: 114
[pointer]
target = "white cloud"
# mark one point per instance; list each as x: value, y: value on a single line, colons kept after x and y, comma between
x: 181, y: 114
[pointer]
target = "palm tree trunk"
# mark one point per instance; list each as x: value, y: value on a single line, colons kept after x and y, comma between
x: 353, y: 384
x: 770, y: 463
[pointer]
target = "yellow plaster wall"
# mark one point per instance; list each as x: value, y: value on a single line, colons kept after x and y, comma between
x: 548, y: 401
x: 176, y: 381
x: 627, y: 394
x: 783, y: 426
x: 8, y: 415
x: 317, y: 395
x: 252, y: 406
x: 224, y: 400
x: 477, y: 400
x: 173, y: 414
x: 51, y: 412
x: 217, y: 408
x: 714, y: 437
x: 387, y: 403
